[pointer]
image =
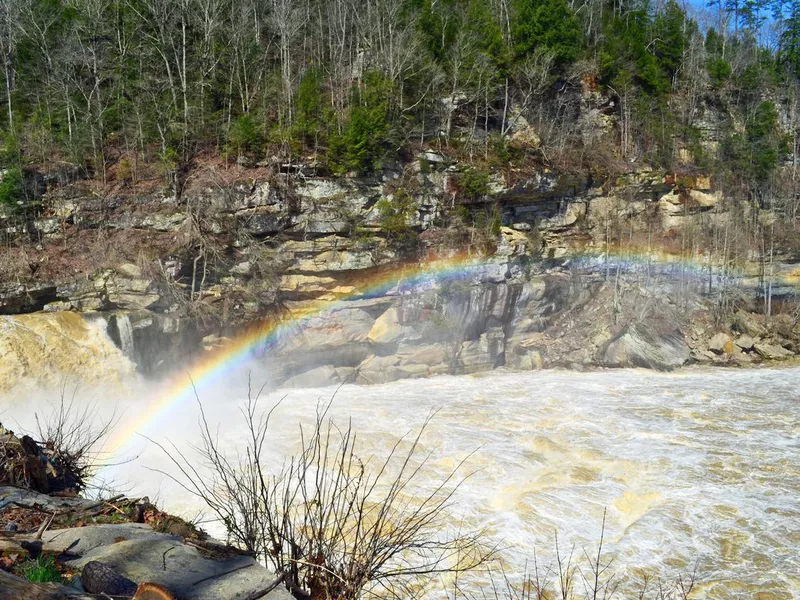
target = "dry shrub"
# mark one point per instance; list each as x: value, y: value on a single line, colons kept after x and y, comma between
x: 72, y: 439
x: 577, y: 576
x: 15, y: 264
x: 333, y: 526
x: 67, y: 456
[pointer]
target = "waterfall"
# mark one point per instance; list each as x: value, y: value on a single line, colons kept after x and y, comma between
x: 125, y: 335
x: 49, y: 349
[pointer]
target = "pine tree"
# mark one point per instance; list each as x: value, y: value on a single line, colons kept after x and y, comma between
x: 549, y: 25
x: 790, y: 37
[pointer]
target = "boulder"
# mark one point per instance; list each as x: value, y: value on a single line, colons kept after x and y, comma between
x: 129, y: 270
x: 745, y: 342
x: 703, y: 356
x: 99, y: 578
x: 772, y: 351
x: 524, y: 359
x: 638, y: 346
x: 319, y: 377
x: 139, y: 554
x: 387, y: 328
x: 721, y: 343
x: 433, y: 158
x: 385, y: 369
x: 745, y: 322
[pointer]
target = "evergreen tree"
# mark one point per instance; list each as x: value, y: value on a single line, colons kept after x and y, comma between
x: 549, y: 25
x: 790, y: 37
x: 365, y: 140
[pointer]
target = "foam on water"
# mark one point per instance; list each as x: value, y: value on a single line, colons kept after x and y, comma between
x: 697, y: 466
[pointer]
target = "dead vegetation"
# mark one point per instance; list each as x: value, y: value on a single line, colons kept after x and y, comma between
x: 577, y: 575
x: 332, y: 524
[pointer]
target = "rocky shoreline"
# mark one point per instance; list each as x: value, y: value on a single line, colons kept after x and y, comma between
x: 579, y: 272
x: 533, y: 322
x: 110, y: 547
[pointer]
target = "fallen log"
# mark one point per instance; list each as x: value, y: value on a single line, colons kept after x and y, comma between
x: 25, y: 545
x: 14, y: 588
x: 152, y: 591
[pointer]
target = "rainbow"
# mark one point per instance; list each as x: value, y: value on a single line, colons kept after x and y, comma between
x: 402, y: 278
x: 218, y: 364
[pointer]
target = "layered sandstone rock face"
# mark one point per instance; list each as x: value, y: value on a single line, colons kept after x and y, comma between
x: 573, y: 266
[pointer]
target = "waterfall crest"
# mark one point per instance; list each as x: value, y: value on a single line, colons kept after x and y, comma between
x: 46, y: 349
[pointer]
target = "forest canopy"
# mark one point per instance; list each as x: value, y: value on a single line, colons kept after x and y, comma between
x: 353, y: 83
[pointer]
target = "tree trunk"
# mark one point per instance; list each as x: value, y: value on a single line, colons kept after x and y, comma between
x: 14, y: 588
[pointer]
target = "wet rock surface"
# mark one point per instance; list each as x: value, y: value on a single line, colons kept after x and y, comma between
x: 638, y: 346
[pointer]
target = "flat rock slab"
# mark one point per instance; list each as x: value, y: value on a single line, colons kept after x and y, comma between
x: 12, y: 496
x: 637, y: 346
x: 141, y: 554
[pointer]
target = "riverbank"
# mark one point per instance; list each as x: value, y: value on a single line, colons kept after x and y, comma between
x: 58, y: 545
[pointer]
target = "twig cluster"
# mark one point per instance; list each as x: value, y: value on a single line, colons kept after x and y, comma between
x: 333, y: 526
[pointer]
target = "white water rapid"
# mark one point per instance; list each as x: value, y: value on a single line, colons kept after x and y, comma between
x: 698, y: 466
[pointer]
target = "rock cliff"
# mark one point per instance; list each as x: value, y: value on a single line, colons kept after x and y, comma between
x: 576, y: 271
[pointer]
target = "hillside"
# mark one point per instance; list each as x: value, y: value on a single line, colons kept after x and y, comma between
x: 185, y: 169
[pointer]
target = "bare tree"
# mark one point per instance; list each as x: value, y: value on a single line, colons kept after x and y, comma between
x: 8, y: 42
x: 331, y: 524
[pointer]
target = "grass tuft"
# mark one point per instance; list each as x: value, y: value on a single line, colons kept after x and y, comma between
x: 40, y: 570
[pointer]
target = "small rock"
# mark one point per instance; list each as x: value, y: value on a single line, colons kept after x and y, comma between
x: 521, y: 227
x: 721, y: 344
x: 11, y: 526
x: 77, y: 584
x: 243, y: 268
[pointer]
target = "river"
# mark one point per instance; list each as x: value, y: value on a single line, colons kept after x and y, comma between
x: 697, y: 467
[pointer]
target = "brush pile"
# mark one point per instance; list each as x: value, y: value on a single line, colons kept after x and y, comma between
x: 28, y: 464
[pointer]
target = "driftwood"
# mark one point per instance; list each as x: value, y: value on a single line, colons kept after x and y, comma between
x: 99, y: 578
x: 25, y: 546
x: 14, y: 588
